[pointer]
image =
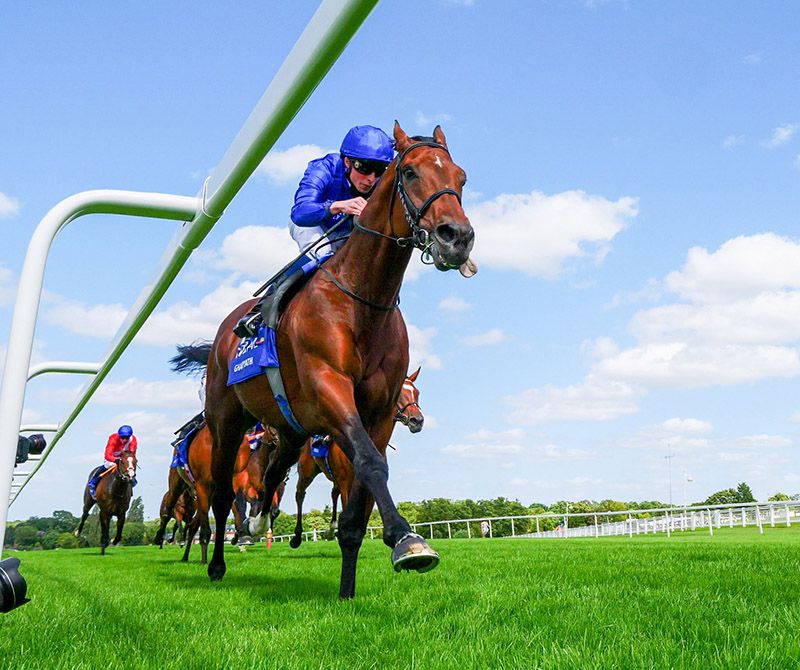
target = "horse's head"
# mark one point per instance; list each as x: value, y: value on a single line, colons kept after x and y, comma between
x: 408, y: 409
x: 429, y: 186
x: 126, y: 465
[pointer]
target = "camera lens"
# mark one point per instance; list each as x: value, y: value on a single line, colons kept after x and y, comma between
x: 12, y: 585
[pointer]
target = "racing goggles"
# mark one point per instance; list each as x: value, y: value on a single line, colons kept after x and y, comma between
x: 367, y: 167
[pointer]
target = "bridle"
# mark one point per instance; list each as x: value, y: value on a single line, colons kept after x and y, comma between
x: 419, y: 238
x: 400, y: 415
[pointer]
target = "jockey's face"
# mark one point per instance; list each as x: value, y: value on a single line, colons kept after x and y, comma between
x: 363, y: 183
x: 125, y: 439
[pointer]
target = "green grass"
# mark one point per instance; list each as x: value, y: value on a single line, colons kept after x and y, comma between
x: 731, y: 601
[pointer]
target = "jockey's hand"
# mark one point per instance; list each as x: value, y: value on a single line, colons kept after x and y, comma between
x: 352, y: 206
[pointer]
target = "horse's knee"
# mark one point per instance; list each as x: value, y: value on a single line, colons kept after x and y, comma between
x: 205, y: 535
x: 350, y: 535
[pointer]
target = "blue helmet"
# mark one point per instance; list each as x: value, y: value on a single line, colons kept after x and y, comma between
x: 125, y: 431
x: 368, y: 143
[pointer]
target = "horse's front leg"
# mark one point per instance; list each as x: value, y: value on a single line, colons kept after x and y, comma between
x: 304, y: 479
x: 120, y: 526
x: 409, y: 550
x: 105, y: 520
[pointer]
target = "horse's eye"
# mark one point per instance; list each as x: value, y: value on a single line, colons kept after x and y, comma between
x: 409, y: 173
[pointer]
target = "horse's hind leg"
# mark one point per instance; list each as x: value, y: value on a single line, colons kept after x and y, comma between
x: 88, y: 503
x: 191, y: 530
x: 303, y: 482
x: 227, y: 430
x: 201, y: 518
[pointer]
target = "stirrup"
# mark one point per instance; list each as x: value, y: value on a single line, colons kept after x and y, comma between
x: 248, y: 325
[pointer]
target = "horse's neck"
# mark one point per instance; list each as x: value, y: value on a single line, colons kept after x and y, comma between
x: 118, y: 484
x: 373, y: 266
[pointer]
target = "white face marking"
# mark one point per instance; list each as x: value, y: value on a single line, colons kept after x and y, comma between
x: 131, y: 469
x: 438, y: 162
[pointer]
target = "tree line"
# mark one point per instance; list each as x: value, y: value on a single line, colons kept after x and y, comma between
x: 58, y: 531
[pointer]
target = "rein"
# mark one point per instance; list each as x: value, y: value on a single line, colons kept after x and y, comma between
x: 419, y: 238
x: 401, y: 416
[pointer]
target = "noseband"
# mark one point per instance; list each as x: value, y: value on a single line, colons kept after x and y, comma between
x: 401, y: 416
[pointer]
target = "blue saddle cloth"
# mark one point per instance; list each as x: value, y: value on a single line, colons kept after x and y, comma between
x: 253, y: 356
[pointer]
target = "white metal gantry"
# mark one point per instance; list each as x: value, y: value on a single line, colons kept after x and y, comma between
x: 316, y: 50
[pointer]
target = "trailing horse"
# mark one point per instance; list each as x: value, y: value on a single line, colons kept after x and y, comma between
x: 338, y: 469
x: 343, y: 351
x: 113, y: 493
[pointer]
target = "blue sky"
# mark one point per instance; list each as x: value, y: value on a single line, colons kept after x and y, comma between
x: 634, y: 184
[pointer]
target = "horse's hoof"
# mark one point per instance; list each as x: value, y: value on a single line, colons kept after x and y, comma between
x: 295, y: 542
x: 413, y: 553
x: 246, y: 540
x: 235, y: 539
x: 216, y: 572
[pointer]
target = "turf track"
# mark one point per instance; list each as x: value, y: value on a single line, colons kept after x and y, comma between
x: 732, y: 601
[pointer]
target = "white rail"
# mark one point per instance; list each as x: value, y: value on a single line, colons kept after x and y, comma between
x: 325, y: 37
x: 637, y: 521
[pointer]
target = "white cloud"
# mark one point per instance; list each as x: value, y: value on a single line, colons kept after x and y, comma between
x: 732, y: 141
x: 8, y: 287
x: 8, y: 205
x: 678, y: 365
x: 594, y: 399
x: 258, y: 251
x: 419, y: 348
x: 184, y: 322
x: 429, y: 122
x: 743, y: 266
x: 287, y: 166
x: 487, y: 444
x: 551, y: 452
x: 454, y: 304
x: 754, y: 58
x: 682, y: 426
x: 489, y: 338
x: 76, y: 317
x: 781, y: 135
x: 538, y: 234
x: 139, y: 393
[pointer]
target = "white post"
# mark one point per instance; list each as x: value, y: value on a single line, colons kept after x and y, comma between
x: 490, y: 529
x: 469, y: 532
x: 788, y: 521
x: 667, y: 519
x: 512, y: 527
x: 596, y: 529
x: 630, y: 526
x: 772, y: 516
x: 325, y: 37
x: 449, y: 534
x: 744, y: 517
x: 710, y: 524
x: 537, y: 524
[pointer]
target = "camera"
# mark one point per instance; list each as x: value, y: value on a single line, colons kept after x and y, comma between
x: 12, y: 585
x: 33, y: 444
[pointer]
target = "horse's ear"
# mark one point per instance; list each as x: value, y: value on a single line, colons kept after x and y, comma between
x: 438, y: 135
x: 413, y: 377
x: 401, y: 140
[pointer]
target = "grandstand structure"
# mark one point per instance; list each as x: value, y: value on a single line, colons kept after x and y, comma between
x: 324, y: 39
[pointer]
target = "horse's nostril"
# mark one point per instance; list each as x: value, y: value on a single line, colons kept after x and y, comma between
x: 447, y: 232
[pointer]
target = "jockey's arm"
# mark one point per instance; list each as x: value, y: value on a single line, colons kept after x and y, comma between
x: 311, y: 208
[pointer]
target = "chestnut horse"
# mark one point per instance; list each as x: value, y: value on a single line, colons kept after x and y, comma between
x: 337, y: 468
x: 248, y: 485
x: 343, y: 348
x: 114, y: 491
x: 178, y: 503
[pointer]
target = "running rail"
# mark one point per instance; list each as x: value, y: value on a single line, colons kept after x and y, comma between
x: 327, y: 34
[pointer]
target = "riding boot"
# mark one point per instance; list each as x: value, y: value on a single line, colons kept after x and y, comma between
x: 249, y: 323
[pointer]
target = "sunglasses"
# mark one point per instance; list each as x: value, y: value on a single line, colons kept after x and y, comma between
x: 368, y: 167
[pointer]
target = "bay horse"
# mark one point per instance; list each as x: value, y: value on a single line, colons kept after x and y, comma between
x: 338, y: 469
x: 114, y: 491
x: 343, y: 348
x: 248, y: 486
x: 178, y: 503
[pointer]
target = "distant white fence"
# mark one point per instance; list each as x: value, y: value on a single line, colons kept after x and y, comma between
x: 600, y: 524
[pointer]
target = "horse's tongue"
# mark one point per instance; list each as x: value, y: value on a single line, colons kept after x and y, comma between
x: 468, y: 268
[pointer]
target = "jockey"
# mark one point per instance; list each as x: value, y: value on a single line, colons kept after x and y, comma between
x: 122, y: 440
x: 333, y: 187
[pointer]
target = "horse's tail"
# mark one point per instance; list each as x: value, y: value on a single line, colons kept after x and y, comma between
x: 191, y: 358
